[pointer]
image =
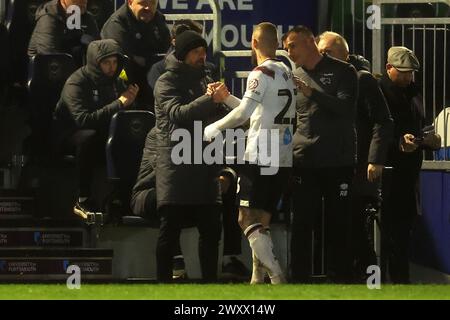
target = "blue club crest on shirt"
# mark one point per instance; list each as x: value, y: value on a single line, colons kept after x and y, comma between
x: 287, y: 138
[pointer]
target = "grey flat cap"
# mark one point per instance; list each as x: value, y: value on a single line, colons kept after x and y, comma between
x: 403, y: 59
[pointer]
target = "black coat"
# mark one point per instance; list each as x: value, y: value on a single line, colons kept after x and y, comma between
x: 138, y: 38
x: 402, y: 195
x: 89, y: 99
x: 326, y: 135
x: 374, y: 124
x: 407, y: 111
x: 143, y: 196
x: 51, y: 34
x: 146, y: 180
x: 179, y: 101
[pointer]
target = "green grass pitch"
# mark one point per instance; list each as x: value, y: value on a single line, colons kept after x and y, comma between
x: 222, y: 292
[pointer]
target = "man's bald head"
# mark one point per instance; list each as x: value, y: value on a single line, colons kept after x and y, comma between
x: 333, y: 44
x: 265, y: 38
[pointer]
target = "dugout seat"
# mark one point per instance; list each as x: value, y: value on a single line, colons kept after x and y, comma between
x: 124, y: 147
x: 4, y: 62
x: 47, y: 76
x: 20, y: 22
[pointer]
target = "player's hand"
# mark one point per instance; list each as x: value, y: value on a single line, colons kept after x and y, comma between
x: 407, y: 143
x: 296, y: 81
x: 128, y: 97
x: 303, y: 87
x: 211, y: 88
x: 210, y: 133
x: 214, y: 85
x: 374, y: 172
x: 219, y: 93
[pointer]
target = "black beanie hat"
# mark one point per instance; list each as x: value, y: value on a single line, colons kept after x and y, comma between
x: 186, y: 41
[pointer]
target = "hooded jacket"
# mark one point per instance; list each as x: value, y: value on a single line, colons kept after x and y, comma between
x: 51, y: 34
x: 89, y: 98
x: 179, y: 101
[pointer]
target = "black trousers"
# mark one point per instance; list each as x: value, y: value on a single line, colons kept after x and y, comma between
x: 207, y: 221
x: 89, y: 149
x: 397, y: 219
x: 317, y: 190
x: 232, y: 234
x: 365, y: 195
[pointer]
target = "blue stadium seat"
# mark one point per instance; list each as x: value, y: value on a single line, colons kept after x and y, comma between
x: 126, y: 141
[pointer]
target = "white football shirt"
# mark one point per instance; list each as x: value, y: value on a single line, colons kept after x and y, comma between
x: 271, y: 124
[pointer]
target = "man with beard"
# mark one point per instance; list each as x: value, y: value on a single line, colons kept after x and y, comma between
x: 324, y: 155
x: 269, y: 103
x: 142, y: 33
x: 181, y: 103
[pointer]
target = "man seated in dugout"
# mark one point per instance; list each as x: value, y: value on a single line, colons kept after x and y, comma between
x: 53, y: 35
x: 89, y: 99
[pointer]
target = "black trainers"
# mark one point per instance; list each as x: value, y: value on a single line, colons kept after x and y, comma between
x: 178, y: 270
x: 235, y: 270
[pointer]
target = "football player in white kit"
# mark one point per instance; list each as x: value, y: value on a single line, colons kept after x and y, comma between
x: 269, y: 102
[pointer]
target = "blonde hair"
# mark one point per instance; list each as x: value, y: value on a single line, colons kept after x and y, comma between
x: 267, y: 35
x: 338, y: 39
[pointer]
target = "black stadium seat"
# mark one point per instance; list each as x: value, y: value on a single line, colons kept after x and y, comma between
x: 20, y: 22
x: 4, y: 63
x: 126, y: 141
x: 101, y: 10
x: 47, y: 75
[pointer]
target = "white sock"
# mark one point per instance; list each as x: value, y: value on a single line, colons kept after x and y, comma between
x: 82, y: 199
x: 262, y: 246
x: 258, y: 272
x: 178, y: 257
x: 252, y: 228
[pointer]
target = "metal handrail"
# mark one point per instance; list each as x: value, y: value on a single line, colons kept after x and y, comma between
x: 416, y: 25
x: 215, y: 17
x: 377, y: 34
